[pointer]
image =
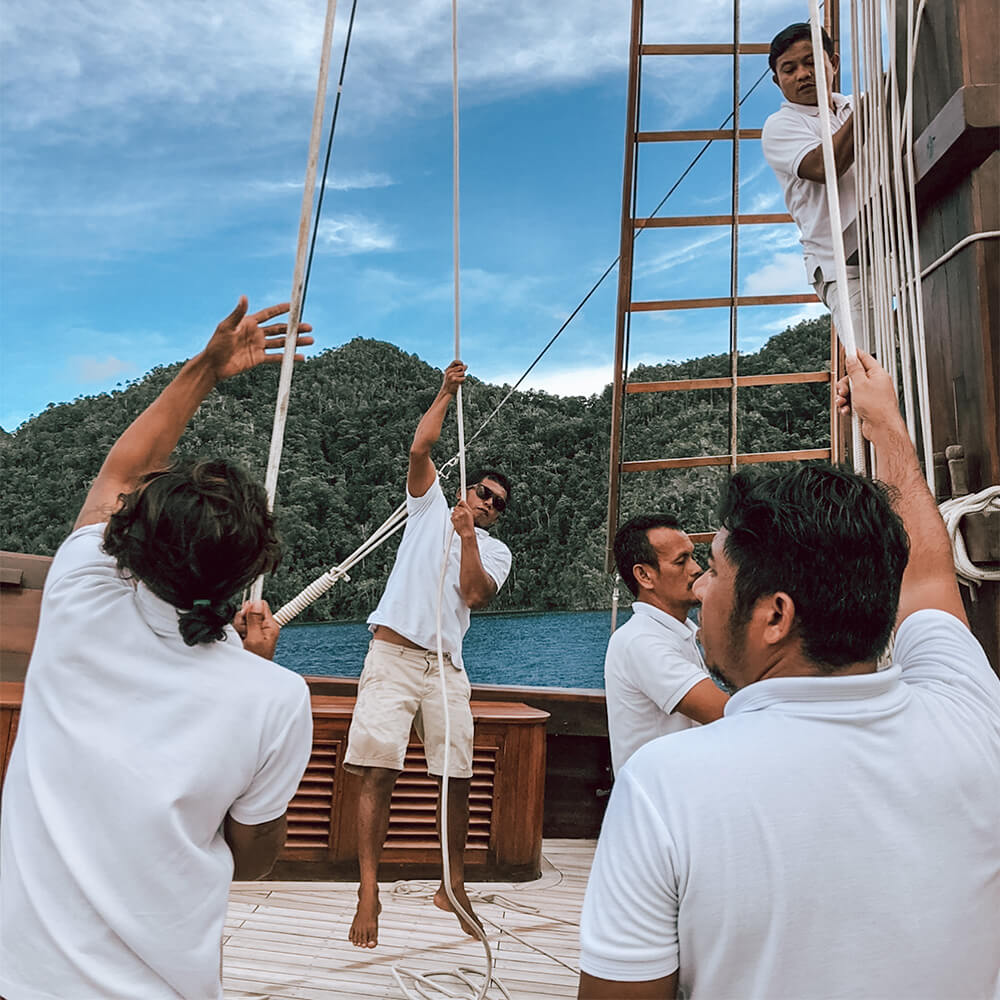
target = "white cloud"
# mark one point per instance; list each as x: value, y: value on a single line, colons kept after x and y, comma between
x: 585, y: 380
x: 63, y: 59
x: 362, y: 181
x: 783, y: 275
x: 689, y: 251
x: 91, y: 369
x: 353, y: 234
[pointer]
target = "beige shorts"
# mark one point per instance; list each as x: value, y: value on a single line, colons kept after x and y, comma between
x: 400, y: 687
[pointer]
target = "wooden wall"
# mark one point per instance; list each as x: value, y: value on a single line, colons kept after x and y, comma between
x: 956, y: 110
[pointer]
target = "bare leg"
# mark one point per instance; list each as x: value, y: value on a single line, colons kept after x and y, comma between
x: 458, y: 831
x: 373, y: 824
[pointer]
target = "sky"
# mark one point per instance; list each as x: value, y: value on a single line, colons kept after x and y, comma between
x: 153, y: 155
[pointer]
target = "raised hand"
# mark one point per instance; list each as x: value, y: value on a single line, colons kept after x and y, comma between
x: 867, y: 390
x: 454, y: 376
x: 241, y: 343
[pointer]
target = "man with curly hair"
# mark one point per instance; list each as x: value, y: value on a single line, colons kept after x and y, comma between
x: 156, y: 752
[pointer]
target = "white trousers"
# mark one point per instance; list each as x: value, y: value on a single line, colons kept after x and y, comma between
x: 827, y: 292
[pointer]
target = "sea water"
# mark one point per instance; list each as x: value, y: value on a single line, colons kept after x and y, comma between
x: 537, y: 649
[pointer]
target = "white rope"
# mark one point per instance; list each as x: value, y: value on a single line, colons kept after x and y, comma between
x: 425, y: 984
x: 846, y: 328
x: 990, y: 234
x: 953, y: 511
x: 887, y: 218
x: 294, y: 314
x: 323, y: 583
x: 830, y: 175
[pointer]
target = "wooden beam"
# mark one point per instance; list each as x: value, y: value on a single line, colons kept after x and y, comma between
x: 746, y: 49
x: 680, y: 221
x: 687, y: 384
x: 696, y: 135
x: 656, y: 464
x: 959, y: 138
x: 722, y: 302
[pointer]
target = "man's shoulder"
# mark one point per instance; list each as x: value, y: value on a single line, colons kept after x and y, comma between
x: 788, y: 117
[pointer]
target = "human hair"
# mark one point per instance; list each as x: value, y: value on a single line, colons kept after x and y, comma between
x: 498, y: 477
x: 195, y: 533
x: 831, y: 540
x: 632, y: 545
x: 787, y: 37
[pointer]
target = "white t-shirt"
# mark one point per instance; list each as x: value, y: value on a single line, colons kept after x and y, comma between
x: 409, y: 602
x: 651, y: 663
x: 131, y: 749
x: 791, y: 132
x: 829, y: 837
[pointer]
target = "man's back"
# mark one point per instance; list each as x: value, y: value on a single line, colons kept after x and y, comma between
x: 131, y: 750
x: 832, y: 836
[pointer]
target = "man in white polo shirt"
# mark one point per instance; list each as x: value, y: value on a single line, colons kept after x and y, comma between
x: 158, y: 746
x: 792, y: 145
x: 835, y: 834
x: 400, y: 685
x: 655, y: 681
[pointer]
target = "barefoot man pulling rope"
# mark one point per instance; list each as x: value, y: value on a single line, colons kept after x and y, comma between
x: 399, y: 685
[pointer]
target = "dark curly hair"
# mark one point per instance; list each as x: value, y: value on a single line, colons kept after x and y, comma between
x: 195, y: 533
x: 831, y: 540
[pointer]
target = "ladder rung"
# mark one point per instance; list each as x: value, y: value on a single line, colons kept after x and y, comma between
x: 746, y: 49
x: 696, y: 135
x: 680, y: 221
x: 655, y: 464
x: 685, y: 384
x: 723, y: 302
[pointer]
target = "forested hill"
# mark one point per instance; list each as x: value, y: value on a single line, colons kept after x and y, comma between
x: 352, y: 415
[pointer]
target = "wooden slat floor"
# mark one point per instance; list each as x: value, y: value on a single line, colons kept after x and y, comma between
x: 289, y: 939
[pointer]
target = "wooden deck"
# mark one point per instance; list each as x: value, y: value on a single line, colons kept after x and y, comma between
x: 289, y: 939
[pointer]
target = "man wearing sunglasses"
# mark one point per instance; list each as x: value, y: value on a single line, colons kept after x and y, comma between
x: 400, y: 685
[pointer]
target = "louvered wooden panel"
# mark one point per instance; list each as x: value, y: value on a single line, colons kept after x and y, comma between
x: 412, y: 818
x: 310, y: 812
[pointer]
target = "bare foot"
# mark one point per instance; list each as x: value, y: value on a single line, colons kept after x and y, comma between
x: 364, y: 929
x: 442, y: 902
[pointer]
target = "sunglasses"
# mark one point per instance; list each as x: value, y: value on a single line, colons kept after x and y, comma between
x: 485, y: 493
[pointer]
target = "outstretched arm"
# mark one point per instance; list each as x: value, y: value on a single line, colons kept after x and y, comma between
x: 238, y: 344
x: 929, y: 578
x: 421, y: 473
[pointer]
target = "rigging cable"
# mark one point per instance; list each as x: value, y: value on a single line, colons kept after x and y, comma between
x: 295, y: 311
x: 329, y: 150
x: 326, y: 580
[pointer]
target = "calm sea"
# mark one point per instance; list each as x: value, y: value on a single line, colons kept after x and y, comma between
x: 542, y: 649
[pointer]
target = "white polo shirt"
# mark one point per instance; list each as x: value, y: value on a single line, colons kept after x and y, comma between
x: 409, y: 601
x: 651, y: 663
x: 829, y: 837
x: 789, y: 134
x: 131, y: 749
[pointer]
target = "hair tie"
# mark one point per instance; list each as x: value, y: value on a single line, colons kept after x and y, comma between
x: 201, y: 604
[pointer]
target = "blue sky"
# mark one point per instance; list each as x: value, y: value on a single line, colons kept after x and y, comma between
x: 153, y: 157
